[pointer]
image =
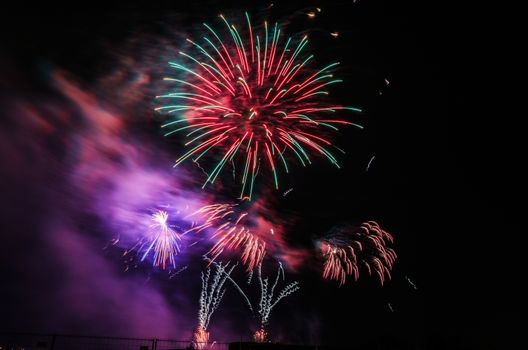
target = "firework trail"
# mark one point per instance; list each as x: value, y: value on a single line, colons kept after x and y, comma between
x: 161, y: 240
x: 390, y: 307
x: 210, y: 298
x: 251, y: 98
x: 287, y: 191
x: 172, y: 275
x: 411, y: 283
x: 268, y: 302
x: 370, y: 162
x: 232, y: 234
x: 347, y: 247
x: 228, y: 276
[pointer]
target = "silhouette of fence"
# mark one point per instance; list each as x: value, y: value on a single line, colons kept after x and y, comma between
x: 30, y: 341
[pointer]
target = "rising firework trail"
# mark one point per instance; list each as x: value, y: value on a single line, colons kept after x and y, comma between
x: 228, y: 276
x: 268, y: 301
x: 251, y: 98
x: 347, y: 248
x: 210, y: 298
x: 231, y: 234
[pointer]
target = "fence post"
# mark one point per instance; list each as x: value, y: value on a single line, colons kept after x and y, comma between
x: 52, y: 345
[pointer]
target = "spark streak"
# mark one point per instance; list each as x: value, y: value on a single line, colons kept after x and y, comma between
x: 268, y: 301
x: 231, y: 233
x: 346, y: 248
x: 161, y: 240
x: 247, y: 97
x: 210, y: 298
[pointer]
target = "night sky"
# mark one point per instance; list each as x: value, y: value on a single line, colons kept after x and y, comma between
x: 445, y: 180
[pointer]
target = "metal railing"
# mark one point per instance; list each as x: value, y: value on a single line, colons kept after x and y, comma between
x: 31, y: 341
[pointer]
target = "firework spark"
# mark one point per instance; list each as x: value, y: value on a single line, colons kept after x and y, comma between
x: 260, y: 336
x: 231, y: 233
x: 248, y: 97
x: 210, y: 298
x: 411, y: 283
x: 346, y: 248
x: 390, y: 307
x: 161, y: 240
x: 370, y: 162
x: 286, y: 192
x: 228, y: 276
x: 200, y: 338
x: 268, y: 302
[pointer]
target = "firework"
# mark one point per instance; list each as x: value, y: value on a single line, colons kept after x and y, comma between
x: 210, y: 298
x: 231, y: 233
x: 411, y: 283
x: 245, y: 96
x: 370, y: 162
x: 228, y: 276
x: 346, y: 248
x: 161, y: 240
x: 260, y: 336
x: 268, y: 301
x: 200, y: 338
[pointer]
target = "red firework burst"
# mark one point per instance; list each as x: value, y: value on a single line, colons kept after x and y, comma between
x: 251, y: 98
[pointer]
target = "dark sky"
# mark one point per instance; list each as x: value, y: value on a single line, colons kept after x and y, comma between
x: 446, y: 177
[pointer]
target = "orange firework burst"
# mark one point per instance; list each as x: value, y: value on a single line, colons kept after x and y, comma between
x: 232, y: 233
x: 347, y: 247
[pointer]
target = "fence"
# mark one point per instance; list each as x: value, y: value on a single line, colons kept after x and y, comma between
x: 29, y: 341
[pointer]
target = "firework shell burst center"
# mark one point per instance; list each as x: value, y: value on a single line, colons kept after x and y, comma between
x: 251, y: 97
